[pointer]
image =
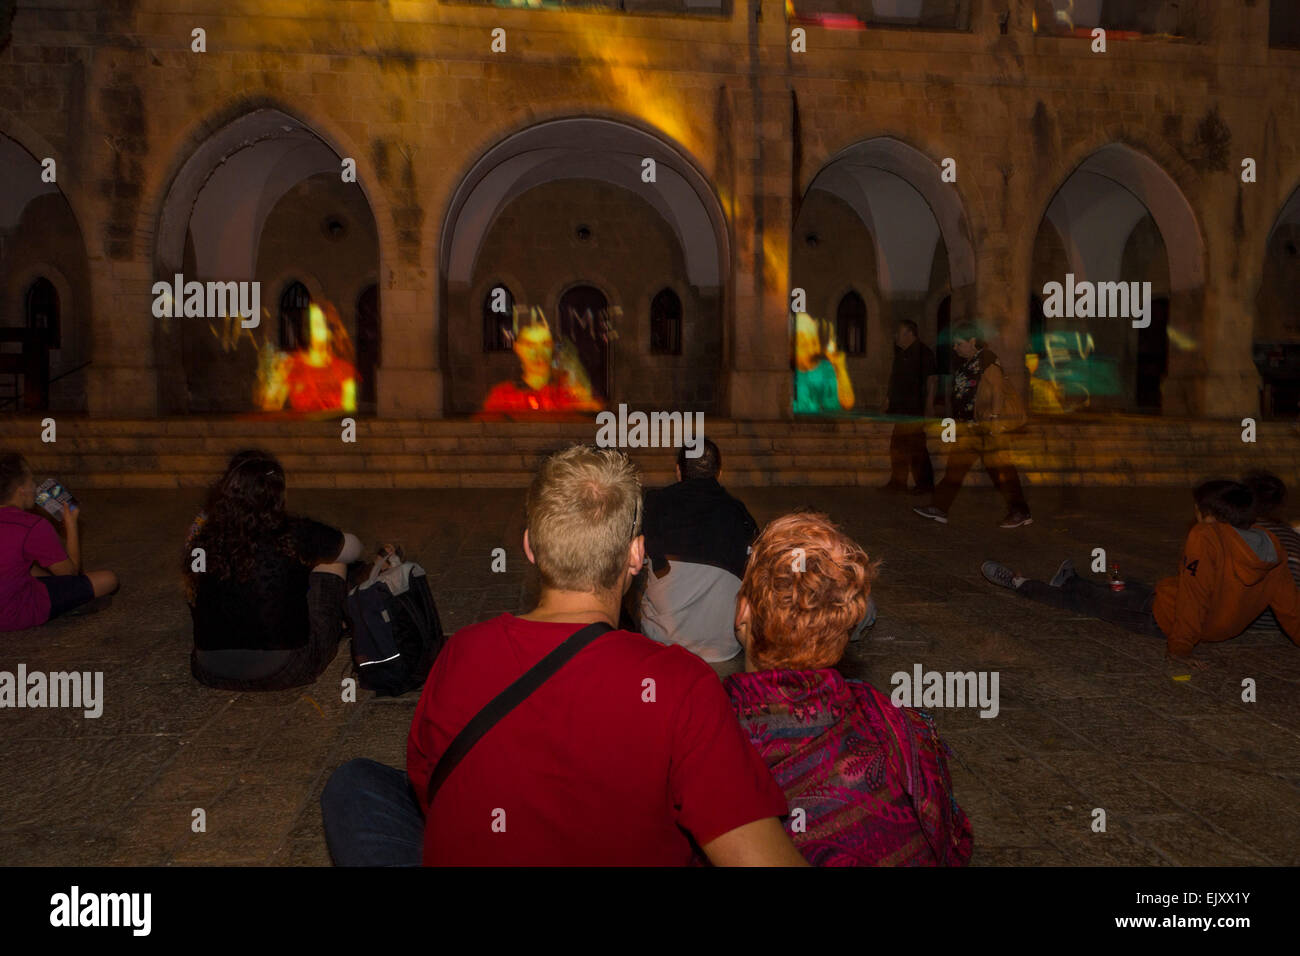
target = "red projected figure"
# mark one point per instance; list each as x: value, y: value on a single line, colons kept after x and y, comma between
x: 547, y: 382
x: 322, y: 378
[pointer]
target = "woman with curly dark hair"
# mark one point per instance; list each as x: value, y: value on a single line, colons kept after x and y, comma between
x: 265, y: 588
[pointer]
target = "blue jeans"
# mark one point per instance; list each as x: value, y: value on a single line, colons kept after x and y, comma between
x: 371, y: 816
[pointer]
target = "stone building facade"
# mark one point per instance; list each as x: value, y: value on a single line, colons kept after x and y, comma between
x: 776, y: 166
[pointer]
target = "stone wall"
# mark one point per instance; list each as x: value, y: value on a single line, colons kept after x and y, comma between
x: 47, y: 243
x: 411, y: 90
x: 533, y: 249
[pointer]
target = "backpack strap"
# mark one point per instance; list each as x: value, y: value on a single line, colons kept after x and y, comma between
x: 506, y: 701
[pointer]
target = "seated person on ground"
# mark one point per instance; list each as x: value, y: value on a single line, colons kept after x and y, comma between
x: 1228, y: 574
x: 1270, y: 496
x: 267, y: 592
x: 623, y: 757
x: 872, y: 778
x: 697, y: 538
x: 39, y: 578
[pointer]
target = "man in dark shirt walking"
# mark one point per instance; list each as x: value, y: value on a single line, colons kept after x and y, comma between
x: 911, y: 394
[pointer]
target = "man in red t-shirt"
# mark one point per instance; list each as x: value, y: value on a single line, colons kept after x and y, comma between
x: 629, y: 755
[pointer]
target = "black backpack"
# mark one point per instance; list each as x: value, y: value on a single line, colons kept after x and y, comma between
x: 395, y: 638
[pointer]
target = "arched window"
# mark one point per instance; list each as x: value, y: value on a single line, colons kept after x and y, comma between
x: 851, y: 324
x: 498, y: 319
x: 294, y: 302
x: 41, y: 306
x: 666, y: 323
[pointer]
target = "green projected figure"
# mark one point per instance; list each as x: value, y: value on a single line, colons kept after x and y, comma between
x: 821, y: 379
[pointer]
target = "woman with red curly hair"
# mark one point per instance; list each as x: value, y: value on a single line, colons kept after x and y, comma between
x: 871, y: 778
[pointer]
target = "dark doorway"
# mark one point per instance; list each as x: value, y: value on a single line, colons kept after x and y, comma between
x: 666, y: 324
x: 42, y: 308
x: 943, y: 337
x: 851, y: 324
x: 943, y: 351
x: 368, y: 345
x: 1037, y: 327
x: 42, y: 333
x: 1152, y: 357
x: 294, y: 302
x: 584, y: 321
x: 498, y: 324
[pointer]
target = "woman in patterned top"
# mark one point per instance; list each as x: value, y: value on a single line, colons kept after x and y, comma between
x: 870, y: 778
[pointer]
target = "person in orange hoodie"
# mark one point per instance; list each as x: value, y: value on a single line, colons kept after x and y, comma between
x: 1229, y: 573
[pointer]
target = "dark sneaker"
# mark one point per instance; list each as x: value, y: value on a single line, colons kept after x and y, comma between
x: 999, y: 574
x: 890, y: 488
x: 933, y: 513
x: 1063, y: 574
x: 1016, y: 520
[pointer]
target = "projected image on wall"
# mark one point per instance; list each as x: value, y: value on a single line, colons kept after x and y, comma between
x: 552, y: 376
x: 319, y: 377
x: 821, y: 378
x: 1067, y: 374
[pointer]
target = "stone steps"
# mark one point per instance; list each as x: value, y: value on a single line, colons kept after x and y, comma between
x: 185, y: 453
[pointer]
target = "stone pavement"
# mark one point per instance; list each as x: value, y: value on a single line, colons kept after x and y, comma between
x: 1090, y: 716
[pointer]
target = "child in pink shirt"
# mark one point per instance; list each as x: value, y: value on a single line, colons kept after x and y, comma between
x: 39, y: 578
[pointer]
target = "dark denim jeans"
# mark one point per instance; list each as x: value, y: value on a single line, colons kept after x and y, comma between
x: 371, y: 816
x: 908, y: 452
x: 1130, y: 608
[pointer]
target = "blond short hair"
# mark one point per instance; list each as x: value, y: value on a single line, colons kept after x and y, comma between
x: 584, y: 510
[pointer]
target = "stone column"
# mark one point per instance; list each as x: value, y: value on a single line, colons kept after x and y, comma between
x: 122, y: 379
x: 760, y: 381
x: 1233, y: 218
x: 410, y: 379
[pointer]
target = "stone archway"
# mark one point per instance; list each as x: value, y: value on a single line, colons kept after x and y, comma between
x: 41, y: 240
x: 566, y: 200
x: 878, y: 217
x: 260, y: 198
x: 1120, y: 220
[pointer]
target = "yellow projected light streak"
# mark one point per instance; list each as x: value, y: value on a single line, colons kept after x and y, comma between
x: 622, y: 66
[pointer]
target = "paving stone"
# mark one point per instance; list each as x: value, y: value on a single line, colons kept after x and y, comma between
x: 1249, y: 739
x: 1089, y: 715
x: 1185, y: 844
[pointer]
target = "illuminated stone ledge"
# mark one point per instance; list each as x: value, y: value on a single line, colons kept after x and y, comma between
x: 94, y: 453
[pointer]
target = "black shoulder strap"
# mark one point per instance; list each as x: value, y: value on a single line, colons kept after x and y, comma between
x: 506, y: 701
